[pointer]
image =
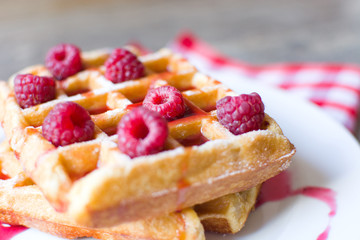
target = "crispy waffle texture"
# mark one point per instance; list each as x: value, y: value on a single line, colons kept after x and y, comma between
x: 99, y: 186
x: 22, y: 203
x: 228, y: 213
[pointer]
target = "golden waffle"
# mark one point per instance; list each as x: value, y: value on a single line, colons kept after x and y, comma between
x: 99, y: 186
x: 229, y: 213
x: 22, y: 203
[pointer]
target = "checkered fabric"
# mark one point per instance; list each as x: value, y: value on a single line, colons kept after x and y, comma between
x: 334, y: 87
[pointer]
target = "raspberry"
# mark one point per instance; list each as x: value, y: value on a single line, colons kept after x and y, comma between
x: 242, y: 113
x: 166, y: 100
x: 142, y: 132
x: 68, y: 123
x: 122, y: 65
x: 31, y: 90
x: 63, y: 60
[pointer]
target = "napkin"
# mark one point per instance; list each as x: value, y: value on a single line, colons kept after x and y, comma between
x: 333, y: 87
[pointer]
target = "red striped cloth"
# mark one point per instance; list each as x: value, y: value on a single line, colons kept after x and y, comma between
x: 334, y: 87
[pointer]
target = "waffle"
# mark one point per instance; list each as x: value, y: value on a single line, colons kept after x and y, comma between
x: 99, y: 186
x: 22, y: 203
x: 228, y: 213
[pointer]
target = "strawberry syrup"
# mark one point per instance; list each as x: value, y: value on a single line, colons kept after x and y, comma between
x: 279, y: 187
x: 7, y: 232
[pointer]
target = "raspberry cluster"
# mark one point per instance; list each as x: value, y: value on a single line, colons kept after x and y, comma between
x: 144, y: 130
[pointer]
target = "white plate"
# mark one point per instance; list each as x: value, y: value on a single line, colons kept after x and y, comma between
x: 328, y: 156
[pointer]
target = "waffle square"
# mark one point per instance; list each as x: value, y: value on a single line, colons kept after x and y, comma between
x: 98, y: 185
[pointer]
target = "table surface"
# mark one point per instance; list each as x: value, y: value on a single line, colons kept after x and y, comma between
x: 254, y: 31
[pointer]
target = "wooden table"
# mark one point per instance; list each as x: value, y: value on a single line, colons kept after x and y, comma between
x: 255, y: 31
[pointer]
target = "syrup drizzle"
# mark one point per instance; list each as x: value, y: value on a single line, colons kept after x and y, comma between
x: 182, y: 185
x: 194, y: 109
x: 82, y: 91
x: 3, y: 175
x: 194, y: 140
x: 192, y: 113
x: 99, y: 110
x: 279, y: 187
x: 181, y: 233
x: 134, y: 105
x: 7, y: 231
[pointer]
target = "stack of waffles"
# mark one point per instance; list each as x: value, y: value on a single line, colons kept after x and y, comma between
x: 205, y: 177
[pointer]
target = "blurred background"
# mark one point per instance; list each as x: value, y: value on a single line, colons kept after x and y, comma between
x: 254, y: 31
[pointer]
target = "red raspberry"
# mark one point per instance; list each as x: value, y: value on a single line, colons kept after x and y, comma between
x: 142, y: 132
x: 31, y: 90
x: 166, y: 100
x: 63, y: 60
x: 122, y: 65
x: 242, y: 113
x: 68, y: 123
